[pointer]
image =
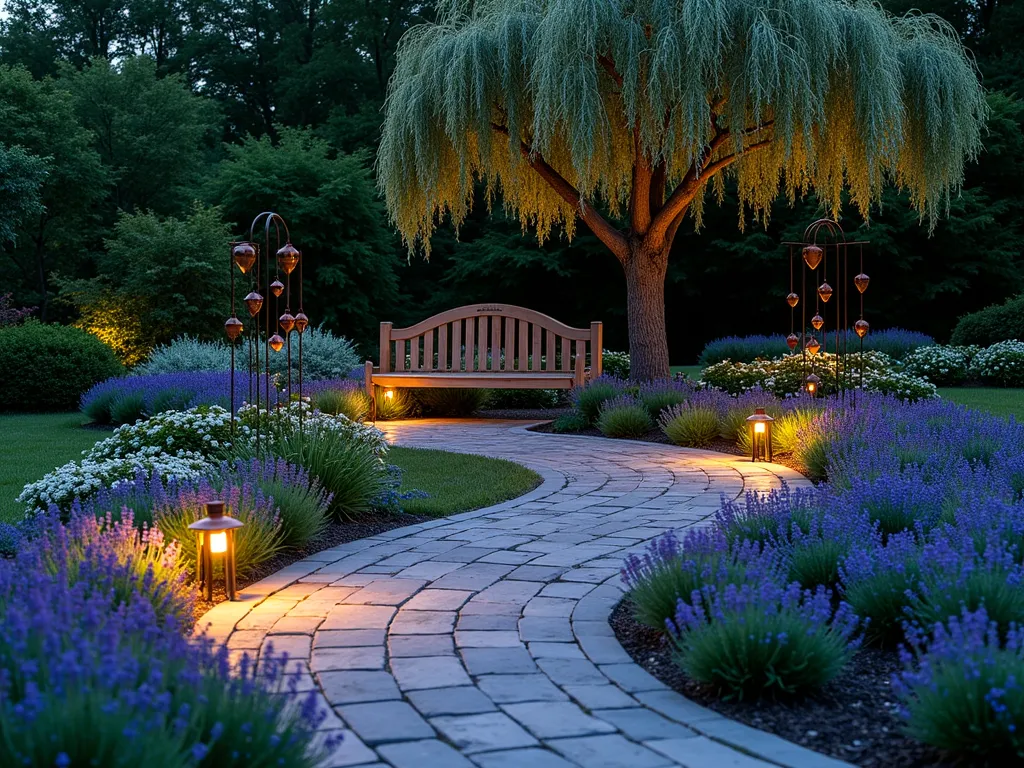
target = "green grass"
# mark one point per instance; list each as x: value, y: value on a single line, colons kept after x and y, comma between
x: 458, y: 482
x: 693, y: 371
x: 1001, y: 402
x: 33, y: 444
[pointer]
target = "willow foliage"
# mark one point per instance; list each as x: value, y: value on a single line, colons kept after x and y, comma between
x: 831, y: 94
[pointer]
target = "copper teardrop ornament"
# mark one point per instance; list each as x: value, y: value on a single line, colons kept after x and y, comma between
x: 817, y: 321
x: 233, y: 328
x: 812, y: 256
x: 861, y: 328
x: 277, y: 287
x: 792, y: 340
x: 287, y: 322
x: 301, y: 322
x: 793, y: 299
x: 861, y: 281
x: 244, y: 256
x: 276, y: 342
x: 288, y: 258
x: 825, y: 292
x: 254, y: 302
x: 813, y: 346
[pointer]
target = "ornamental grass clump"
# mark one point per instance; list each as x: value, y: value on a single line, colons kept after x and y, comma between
x: 962, y: 689
x: 624, y: 416
x: 588, y: 400
x: 763, y: 640
x: 95, y: 673
x: 877, y: 583
x: 670, y: 571
x: 346, y: 398
x: 690, y: 424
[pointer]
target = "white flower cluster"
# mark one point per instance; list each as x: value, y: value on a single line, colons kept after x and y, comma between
x: 205, y: 430
x: 941, y: 365
x: 902, y: 385
x: 82, y: 480
x: 288, y: 417
x: 1001, y: 365
x: 616, y: 363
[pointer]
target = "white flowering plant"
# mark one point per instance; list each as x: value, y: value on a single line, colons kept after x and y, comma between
x: 944, y: 366
x: 1000, y: 365
x: 84, y: 479
x: 204, y: 430
x: 615, y: 363
x: 287, y: 417
x: 784, y: 376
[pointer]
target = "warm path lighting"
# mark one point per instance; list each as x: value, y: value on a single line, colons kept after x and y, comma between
x: 216, y: 537
x: 812, y: 384
x: 760, y: 425
x: 389, y: 394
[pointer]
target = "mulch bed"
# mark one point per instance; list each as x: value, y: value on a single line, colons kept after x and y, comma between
x: 719, y: 444
x: 853, y: 718
x: 335, y: 534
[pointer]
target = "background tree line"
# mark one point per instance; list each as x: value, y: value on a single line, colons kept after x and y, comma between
x: 138, y: 135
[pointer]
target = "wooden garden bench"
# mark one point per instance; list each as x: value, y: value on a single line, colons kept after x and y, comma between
x: 486, y: 346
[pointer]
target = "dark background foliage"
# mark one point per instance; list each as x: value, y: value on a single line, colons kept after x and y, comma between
x: 149, y: 108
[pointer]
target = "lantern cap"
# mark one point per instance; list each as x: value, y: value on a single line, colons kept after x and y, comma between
x: 759, y: 415
x: 216, y: 519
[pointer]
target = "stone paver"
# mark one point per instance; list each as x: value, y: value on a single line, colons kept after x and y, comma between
x: 483, y: 639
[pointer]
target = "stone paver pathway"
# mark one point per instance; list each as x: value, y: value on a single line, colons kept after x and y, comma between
x: 482, y: 640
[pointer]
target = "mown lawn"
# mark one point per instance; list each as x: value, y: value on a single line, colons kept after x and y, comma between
x: 1001, y: 402
x: 33, y: 444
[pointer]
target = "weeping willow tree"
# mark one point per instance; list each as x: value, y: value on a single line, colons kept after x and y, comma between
x: 623, y: 113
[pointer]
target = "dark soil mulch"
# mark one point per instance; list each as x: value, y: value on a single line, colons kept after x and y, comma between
x: 333, y: 535
x: 853, y: 718
x: 719, y: 444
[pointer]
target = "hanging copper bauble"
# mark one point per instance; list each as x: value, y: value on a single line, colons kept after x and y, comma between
x: 244, y: 256
x: 817, y: 321
x: 825, y: 292
x: 793, y: 299
x: 277, y: 287
x: 861, y: 281
x: 288, y: 258
x: 861, y: 328
x: 301, y: 322
x: 792, y: 340
x: 812, y: 256
x: 233, y: 328
x: 287, y: 322
x: 254, y: 302
x: 813, y: 346
x: 276, y: 342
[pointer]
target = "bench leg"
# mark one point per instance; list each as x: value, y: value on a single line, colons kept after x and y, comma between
x: 579, y: 374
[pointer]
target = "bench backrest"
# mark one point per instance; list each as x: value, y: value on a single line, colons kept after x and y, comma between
x: 489, y: 337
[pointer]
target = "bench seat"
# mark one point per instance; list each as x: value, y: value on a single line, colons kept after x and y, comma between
x: 476, y: 380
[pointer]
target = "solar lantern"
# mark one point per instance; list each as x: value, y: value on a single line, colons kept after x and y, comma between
x: 216, y: 541
x: 760, y: 426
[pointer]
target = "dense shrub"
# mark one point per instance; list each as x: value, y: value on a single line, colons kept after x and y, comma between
x: 1001, y: 364
x: 346, y: 397
x: 615, y: 364
x: 659, y: 395
x: 624, y: 416
x: 942, y: 366
x: 48, y: 367
x: 961, y: 689
x: 97, y: 672
x: 205, y: 431
x: 454, y: 401
x: 742, y: 349
x: 692, y: 426
x: 999, y: 322
x: 589, y: 399
x: 763, y: 640
x: 570, y: 422
x: 324, y: 356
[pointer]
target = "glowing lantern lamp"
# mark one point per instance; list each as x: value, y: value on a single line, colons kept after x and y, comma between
x: 389, y: 394
x: 216, y: 539
x: 760, y: 425
x: 811, y: 384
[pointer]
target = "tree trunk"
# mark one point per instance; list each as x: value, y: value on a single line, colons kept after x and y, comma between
x: 645, y: 302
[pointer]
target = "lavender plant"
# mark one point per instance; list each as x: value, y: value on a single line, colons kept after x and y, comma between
x: 587, y: 400
x: 624, y: 416
x: 691, y: 424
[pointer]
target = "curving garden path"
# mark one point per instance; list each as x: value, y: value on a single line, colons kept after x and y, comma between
x: 482, y: 639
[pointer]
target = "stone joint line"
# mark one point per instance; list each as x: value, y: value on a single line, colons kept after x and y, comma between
x: 482, y: 640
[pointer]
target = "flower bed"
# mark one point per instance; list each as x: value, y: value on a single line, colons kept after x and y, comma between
x: 915, y: 537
